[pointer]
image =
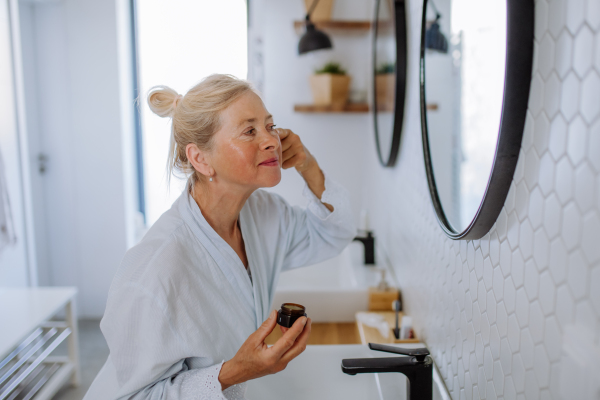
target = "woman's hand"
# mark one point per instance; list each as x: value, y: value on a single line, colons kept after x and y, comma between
x: 294, y: 152
x: 255, y: 359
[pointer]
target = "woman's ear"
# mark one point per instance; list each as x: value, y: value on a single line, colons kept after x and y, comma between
x: 199, y: 160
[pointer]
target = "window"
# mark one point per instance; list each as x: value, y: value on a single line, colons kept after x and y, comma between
x: 179, y: 42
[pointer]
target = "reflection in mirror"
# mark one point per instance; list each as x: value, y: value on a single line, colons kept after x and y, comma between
x: 464, y: 59
x: 389, y: 77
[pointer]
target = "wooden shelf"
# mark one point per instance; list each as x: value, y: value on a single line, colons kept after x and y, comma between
x: 371, y: 335
x: 342, y: 25
x: 345, y: 108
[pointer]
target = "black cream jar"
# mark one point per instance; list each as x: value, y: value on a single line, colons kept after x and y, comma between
x: 289, y: 313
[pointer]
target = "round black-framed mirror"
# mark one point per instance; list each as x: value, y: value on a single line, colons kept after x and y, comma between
x: 389, y: 77
x: 492, y: 147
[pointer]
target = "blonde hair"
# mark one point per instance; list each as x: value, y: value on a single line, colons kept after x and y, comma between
x: 195, y: 116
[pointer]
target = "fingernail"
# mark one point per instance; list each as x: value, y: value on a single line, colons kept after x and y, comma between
x: 273, y: 313
x: 304, y: 319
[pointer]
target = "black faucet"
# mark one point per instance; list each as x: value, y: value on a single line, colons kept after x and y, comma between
x: 369, y: 242
x: 418, y: 368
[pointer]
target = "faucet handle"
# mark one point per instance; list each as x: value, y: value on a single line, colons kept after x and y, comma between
x: 419, y: 353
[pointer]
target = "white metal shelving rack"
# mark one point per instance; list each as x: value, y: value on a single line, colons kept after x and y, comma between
x: 28, y: 337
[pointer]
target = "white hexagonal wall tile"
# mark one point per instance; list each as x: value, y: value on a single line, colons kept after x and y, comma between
x: 569, y: 102
x: 552, y: 338
x: 501, y: 228
x: 547, y: 293
x: 527, y: 347
x: 575, y: 15
x: 541, y: 18
x: 558, y: 261
x: 512, y: 237
x: 517, y: 268
x: 552, y: 211
x: 594, y: 147
x: 590, y: 242
x: 509, y: 388
x: 491, y: 308
x: 592, y: 14
x: 498, y: 378
x: 536, y: 94
x: 526, y: 235
x: 536, y: 208
x: 488, y: 362
x: 590, y: 97
x: 542, y: 366
x: 595, y: 289
x: 546, y: 178
x: 490, y: 391
x: 558, y: 137
x: 522, y: 308
x: 541, y: 249
x: 505, y: 356
x: 563, y: 53
x: 527, y: 140
x: 585, y: 187
x: 509, y: 295
x: 586, y: 318
x: 488, y: 273
x: 532, y: 387
x: 521, y: 200
x: 498, y: 286
x: 536, y: 322
x: 597, y: 52
x: 577, y: 275
x: 518, y: 373
x: 514, y: 333
x: 571, y: 226
x: 564, y: 180
x: 532, y: 277
x: 565, y: 306
x: 576, y: 144
x: 501, y: 319
x: 582, y: 54
x: 546, y: 60
x: 552, y: 97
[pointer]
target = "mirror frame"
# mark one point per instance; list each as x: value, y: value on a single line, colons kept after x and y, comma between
x: 400, y: 90
x: 518, y: 74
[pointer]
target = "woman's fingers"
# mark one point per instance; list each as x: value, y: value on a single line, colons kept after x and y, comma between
x: 266, y: 328
x: 299, y: 345
x: 283, y: 133
x: 288, y: 339
x: 291, y: 162
x: 283, y: 329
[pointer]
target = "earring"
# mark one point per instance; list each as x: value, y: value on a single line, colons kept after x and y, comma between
x: 210, y: 179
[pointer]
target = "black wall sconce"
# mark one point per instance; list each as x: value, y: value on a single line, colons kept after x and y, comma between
x: 313, y: 39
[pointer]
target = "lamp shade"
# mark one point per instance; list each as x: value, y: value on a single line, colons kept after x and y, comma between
x: 313, y: 39
x: 435, y: 39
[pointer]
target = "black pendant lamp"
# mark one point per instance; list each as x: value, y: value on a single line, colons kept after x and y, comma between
x: 313, y: 39
x: 434, y: 38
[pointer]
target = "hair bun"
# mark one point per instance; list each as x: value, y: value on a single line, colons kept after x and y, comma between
x: 163, y: 100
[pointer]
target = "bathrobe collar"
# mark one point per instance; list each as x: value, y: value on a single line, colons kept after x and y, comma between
x: 253, y: 295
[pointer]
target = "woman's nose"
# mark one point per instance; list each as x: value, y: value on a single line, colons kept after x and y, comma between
x: 270, y: 140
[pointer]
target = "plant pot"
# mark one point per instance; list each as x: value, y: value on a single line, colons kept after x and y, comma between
x: 322, y: 11
x: 385, y: 86
x: 329, y: 89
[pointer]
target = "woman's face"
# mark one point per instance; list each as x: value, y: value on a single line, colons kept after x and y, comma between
x: 247, y: 150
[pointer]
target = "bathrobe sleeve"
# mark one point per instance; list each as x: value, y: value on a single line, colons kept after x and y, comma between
x: 149, y: 354
x: 316, y: 234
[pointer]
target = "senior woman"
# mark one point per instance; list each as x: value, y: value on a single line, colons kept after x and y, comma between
x: 188, y: 309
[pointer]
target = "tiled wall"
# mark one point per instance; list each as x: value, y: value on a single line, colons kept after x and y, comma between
x: 494, y: 311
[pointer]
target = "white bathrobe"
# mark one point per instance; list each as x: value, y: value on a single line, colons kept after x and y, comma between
x: 182, y: 303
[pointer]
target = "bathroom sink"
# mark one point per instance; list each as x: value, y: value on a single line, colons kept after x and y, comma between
x: 316, y: 374
x: 331, y: 291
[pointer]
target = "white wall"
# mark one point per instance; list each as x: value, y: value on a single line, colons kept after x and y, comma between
x: 493, y: 311
x: 74, y: 100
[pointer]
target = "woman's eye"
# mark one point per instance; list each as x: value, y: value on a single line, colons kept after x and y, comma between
x: 273, y: 127
x: 251, y: 131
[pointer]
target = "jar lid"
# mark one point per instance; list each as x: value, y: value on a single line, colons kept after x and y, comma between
x: 292, y: 309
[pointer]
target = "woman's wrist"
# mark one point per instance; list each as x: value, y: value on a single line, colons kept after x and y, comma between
x: 228, y: 374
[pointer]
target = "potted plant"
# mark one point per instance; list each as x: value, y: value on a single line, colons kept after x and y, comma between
x: 330, y: 85
x: 385, y: 86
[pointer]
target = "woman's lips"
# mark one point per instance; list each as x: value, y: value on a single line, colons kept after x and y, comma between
x: 271, y: 162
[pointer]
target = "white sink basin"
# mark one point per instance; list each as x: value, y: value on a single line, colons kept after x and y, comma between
x: 331, y: 291
x: 316, y: 374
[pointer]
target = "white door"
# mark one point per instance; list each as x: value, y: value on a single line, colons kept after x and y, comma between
x: 14, y: 265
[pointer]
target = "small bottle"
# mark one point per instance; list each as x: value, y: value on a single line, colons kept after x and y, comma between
x: 289, y: 313
x: 406, y: 327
